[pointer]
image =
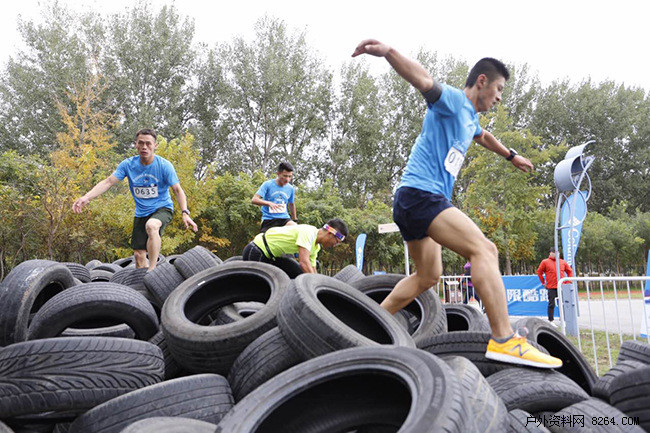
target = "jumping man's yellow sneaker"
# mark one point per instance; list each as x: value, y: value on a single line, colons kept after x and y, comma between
x: 517, y: 350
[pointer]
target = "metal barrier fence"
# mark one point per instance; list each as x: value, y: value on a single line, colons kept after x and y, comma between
x: 622, y: 314
x: 457, y: 289
x: 634, y: 307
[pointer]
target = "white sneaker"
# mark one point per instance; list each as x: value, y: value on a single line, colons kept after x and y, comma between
x: 550, y: 322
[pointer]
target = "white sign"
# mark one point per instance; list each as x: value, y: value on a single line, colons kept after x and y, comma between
x: 388, y: 228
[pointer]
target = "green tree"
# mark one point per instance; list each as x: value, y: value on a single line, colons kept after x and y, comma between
x: 57, y: 55
x: 277, y: 103
x: 609, y: 113
x: 357, y: 155
x: 149, y: 65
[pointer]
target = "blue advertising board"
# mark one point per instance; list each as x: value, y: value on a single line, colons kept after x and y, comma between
x: 526, y: 296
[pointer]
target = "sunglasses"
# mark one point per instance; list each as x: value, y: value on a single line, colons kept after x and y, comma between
x: 335, y: 232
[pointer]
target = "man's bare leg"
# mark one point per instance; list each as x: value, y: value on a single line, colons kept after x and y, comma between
x: 153, y: 242
x: 426, y: 254
x: 456, y: 231
x: 140, y: 258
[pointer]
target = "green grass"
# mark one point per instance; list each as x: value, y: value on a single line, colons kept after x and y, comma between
x: 595, y: 295
x: 600, y: 338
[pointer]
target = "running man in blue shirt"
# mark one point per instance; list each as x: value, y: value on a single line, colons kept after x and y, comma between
x: 150, y: 177
x: 421, y: 206
x: 277, y: 199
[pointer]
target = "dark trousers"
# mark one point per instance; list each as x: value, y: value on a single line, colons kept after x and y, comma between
x: 552, y: 294
x: 253, y: 253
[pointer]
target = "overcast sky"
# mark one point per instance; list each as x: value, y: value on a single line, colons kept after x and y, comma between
x: 557, y: 39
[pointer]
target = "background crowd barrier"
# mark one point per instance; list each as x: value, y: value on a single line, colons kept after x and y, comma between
x: 607, y: 307
x: 617, y: 305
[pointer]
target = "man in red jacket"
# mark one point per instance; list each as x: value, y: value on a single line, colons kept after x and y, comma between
x: 547, y: 266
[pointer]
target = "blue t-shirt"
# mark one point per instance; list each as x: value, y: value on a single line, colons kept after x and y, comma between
x: 271, y: 191
x: 149, y: 184
x: 439, y: 151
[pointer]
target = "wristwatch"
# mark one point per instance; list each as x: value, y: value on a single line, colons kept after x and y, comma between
x: 513, y: 153
x: 187, y: 211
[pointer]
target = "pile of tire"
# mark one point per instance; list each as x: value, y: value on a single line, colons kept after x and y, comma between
x: 200, y: 345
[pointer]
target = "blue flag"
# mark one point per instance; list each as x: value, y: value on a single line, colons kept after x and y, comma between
x: 571, y: 238
x: 361, y: 242
x: 645, y: 321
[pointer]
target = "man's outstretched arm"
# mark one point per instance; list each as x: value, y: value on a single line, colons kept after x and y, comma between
x: 97, y: 190
x: 410, y: 70
x: 490, y: 142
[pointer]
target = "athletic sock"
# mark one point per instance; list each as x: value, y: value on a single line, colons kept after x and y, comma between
x: 502, y: 340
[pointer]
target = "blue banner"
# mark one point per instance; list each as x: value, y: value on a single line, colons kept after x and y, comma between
x: 571, y: 236
x: 361, y: 242
x: 526, y: 296
x: 645, y: 321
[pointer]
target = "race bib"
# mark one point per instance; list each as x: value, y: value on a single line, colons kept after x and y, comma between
x: 282, y: 208
x: 145, y: 191
x: 454, y: 161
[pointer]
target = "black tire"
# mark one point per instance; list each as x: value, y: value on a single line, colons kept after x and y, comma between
x: 630, y: 393
x: 73, y: 373
x: 30, y: 427
x: 193, y: 261
x: 201, y: 348
x: 236, y: 311
x: 205, y: 397
x: 172, y: 369
x: 574, y: 364
x: 133, y: 278
x: 608, y: 419
x: 4, y: 428
x: 602, y: 385
x: 92, y: 264
x: 104, y: 304
x: 349, y: 274
x: 353, y: 389
x: 522, y: 422
x: 462, y: 317
x: 233, y: 259
x: 162, y: 424
x: 125, y: 262
x: 119, y: 276
x: 119, y: 331
x: 171, y: 259
x: 110, y: 267
x: 536, y: 390
x: 424, y: 314
x: 470, y: 345
x: 62, y: 427
x: 485, y: 406
x: 634, y: 350
x: 24, y: 291
x: 162, y: 281
x: 263, y: 359
x: 79, y: 271
x: 100, y: 275
x: 320, y: 314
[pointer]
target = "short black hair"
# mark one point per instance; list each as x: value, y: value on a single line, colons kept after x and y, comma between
x: 339, y: 225
x: 146, y: 131
x: 285, y: 166
x: 492, y: 68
